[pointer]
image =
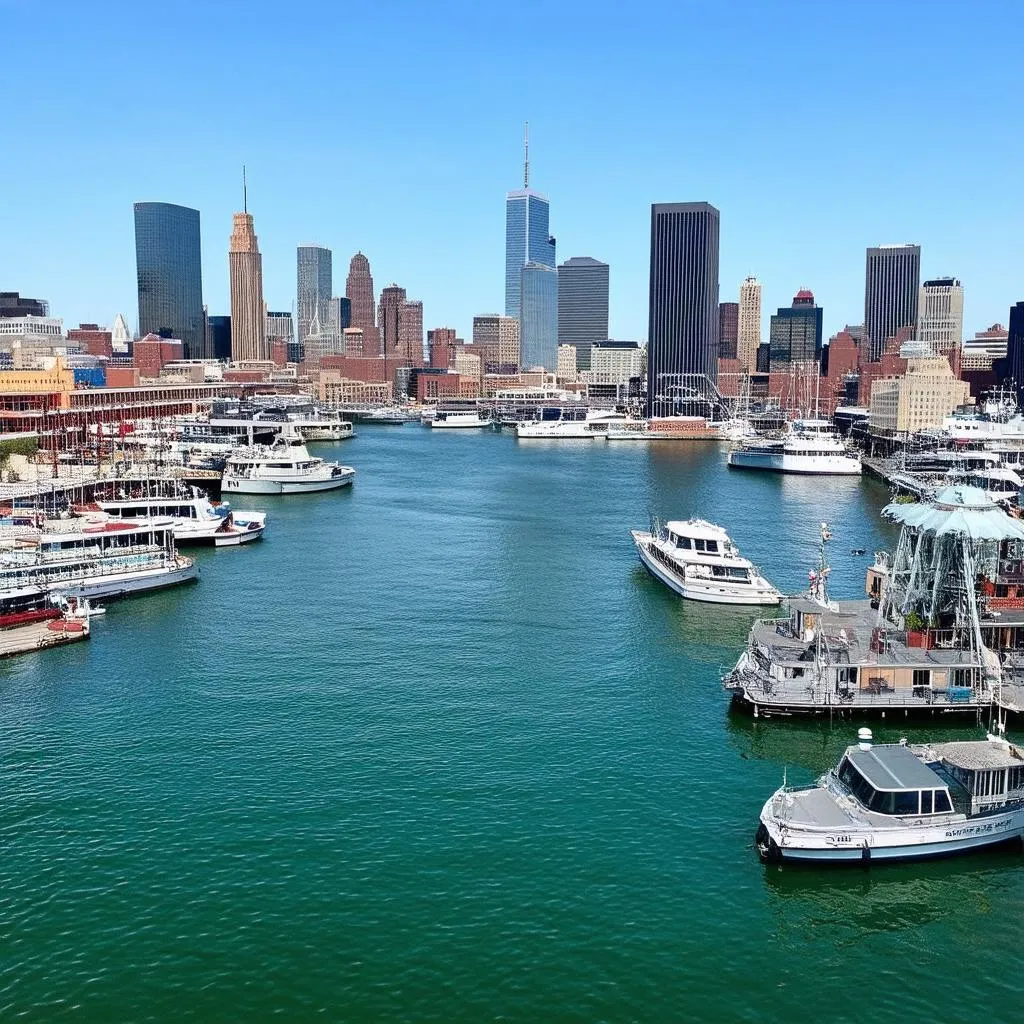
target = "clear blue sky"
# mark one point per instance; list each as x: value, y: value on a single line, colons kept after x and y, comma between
x: 816, y: 128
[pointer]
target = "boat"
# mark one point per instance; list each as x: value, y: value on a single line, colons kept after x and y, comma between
x: 570, y: 425
x: 31, y: 618
x: 195, y: 518
x: 699, y: 561
x: 808, y: 446
x: 284, y: 467
x: 84, y: 560
x: 447, y: 420
x: 664, y: 428
x: 899, y: 801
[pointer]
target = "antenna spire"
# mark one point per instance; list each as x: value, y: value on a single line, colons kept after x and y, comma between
x: 245, y: 192
x: 526, y: 154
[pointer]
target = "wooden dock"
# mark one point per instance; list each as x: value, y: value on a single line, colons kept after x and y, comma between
x: 37, y: 636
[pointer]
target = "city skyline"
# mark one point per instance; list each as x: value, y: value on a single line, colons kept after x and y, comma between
x: 791, y: 222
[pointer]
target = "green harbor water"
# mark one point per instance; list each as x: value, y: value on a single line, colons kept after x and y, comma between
x: 438, y: 749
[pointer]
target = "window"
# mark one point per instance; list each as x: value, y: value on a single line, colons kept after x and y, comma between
x: 922, y: 677
x: 906, y: 802
x: 712, y: 545
x: 926, y: 801
x: 698, y: 545
x: 683, y: 542
x: 942, y: 801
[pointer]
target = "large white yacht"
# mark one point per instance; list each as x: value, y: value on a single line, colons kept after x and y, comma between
x: 808, y: 446
x: 900, y: 802
x: 285, y: 467
x: 698, y: 560
x: 195, y: 519
x: 571, y: 425
x: 448, y: 420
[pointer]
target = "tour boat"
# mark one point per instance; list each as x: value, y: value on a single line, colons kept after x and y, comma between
x: 699, y: 561
x: 900, y: 801
x: 448, y: 420
x: 196, y: 519
x: 809, y: 446
x: 285, y: 467
x: 96, y: 560
x: 664, y: 428
x: 595, y: 423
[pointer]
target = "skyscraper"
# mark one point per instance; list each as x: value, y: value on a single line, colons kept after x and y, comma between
x: 582, y: 305
x: 527, y: 239
x: 169, y: 269
x: 313, y: 286
x: 682, y: 327
x: 891, y: 281
x: 498, y: 335
x: 359, y: 292
x: 219, y: 328
x: 389, y: 317
x: 940, y: 314
x: 410, y: 332
x: 728, y: 329
x: 441, y: 343
x: 280, y: 327
x: 538, y: 317
x: 245, y: 265
x: 748, y: 332
x: 1015, y: 348
x: 339, y: 313
x: 796, y: 333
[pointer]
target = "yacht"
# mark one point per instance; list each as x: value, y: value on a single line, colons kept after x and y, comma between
x: 285, y: 467
x: 900, y: 801
x: 594, y: 423
x: 196, y: 520
x: 698, y: 560
x: 95, y: 560
x: 447, y: 420
x: 808, y: 446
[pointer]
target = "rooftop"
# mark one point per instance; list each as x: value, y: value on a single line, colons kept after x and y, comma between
x: 893, y: 767
x: 958, y: 510
x: 697, y: 528
x: 977, y: 754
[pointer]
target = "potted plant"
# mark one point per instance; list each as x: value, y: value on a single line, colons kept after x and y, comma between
x: 917, y: 636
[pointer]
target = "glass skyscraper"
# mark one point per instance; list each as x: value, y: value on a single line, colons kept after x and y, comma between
x: 538, y: 317
x: 170, y: 275
x: 582, y: 305
x: 314, y: 287
x: 527, y: 240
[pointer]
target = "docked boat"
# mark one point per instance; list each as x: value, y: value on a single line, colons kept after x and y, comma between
x: 96, y: 560
x: 196, y: 520
x: 900, y: 801
x: 285, y: 467
x: 32, y: 619
x: 699, y: 561
x: 447, y: 420
x: 664, y: 428
x: 808, y: 446
x: 570, y: 425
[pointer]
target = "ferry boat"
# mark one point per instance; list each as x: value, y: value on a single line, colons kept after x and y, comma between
x: 447, y: 420
x: 313, y: 421
x: 699, y: 561
x: 809, y: 446
x: 900, y: 801
x: 570, y: 425
x: 96, y: 560
x: 285, y: 467
x: 196, y: 520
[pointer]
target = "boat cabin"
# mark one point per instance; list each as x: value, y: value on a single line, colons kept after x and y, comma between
x: 696, y: 537
x: 893, y: 780
x: 991, y: 776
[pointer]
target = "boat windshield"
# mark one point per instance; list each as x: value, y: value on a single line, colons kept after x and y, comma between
x: 892, y: 801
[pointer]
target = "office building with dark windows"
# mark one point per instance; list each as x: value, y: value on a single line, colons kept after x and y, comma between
x: 682, y: 326
x: 538, y: 317
x: 219, y: 331
x: 169, y: 271
x: 314, y: 286
x: 582, y: 305
x: 1015, y: 348
x: 796, y: 333
x: 728, y: 329
x: 892, y: 282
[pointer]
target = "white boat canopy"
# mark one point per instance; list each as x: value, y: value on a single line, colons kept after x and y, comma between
x: 959, y: 510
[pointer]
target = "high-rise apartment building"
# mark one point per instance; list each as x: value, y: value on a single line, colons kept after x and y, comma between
x: 940, y: 314
x: 498, y: 335
x: 314, y: 284
x: 538, y: 316
x: 891, y: 284
x: 169, y: 270
x: 389, y: 317
x: 359, y: 292
x: 796, y: 333
x: 245, y: 265
x: 582, y: 305
x: 683, y: 303
x: 748, y: 329
x: 728, y: 329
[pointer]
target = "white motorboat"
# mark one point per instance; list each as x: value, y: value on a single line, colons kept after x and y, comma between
x: 900, y: 802
x: 285, y: 467
x: 595, y: 423
x: 809, y: 446
x: 699, y: 561
x: 196, y: 519
x: 448, y: 420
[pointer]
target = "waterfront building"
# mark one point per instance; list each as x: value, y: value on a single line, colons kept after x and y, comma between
x: 1015, y: 347
x: 169, y: 272
x: 538, y: 321
x: 940, y: 314
x: 314, y: 284
x: 891, y: 288
x: 617, y: 361
x: 919, y: 399
x: 567, y: 365
x: 796, y: 333
x: 748, y: 329
x: 121, y: 335
x: 500, y: 337
x: 582, y: 305
x: 682, y: 350
x: 245, y: 265
x: 728, y: 329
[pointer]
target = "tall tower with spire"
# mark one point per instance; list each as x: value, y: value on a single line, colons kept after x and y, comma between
x: 245, y: 265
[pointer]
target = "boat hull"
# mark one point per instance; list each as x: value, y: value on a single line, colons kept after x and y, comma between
x: 233, y: 485
x: 818, y: 465
x: 123, y: 584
